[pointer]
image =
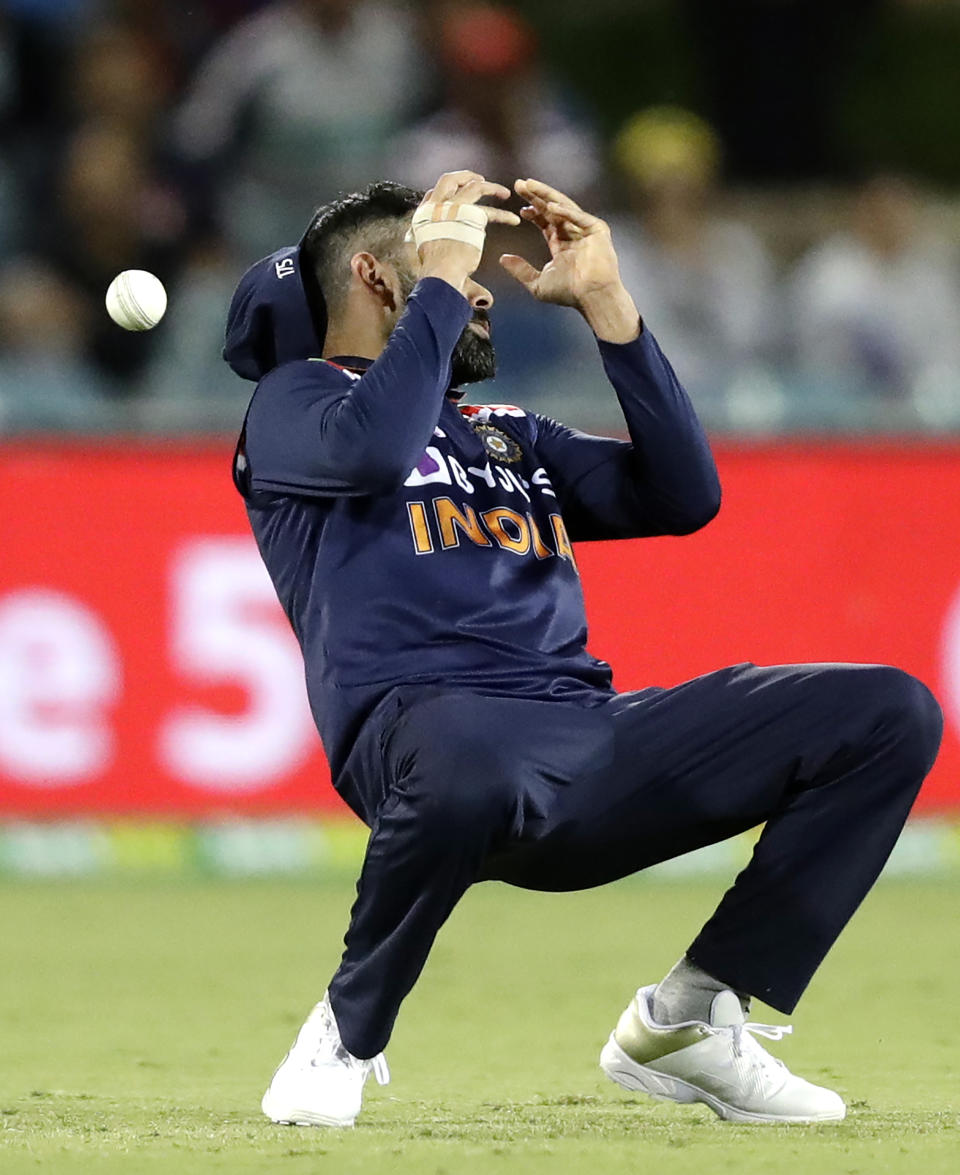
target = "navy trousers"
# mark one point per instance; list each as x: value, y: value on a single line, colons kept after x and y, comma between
x: 459, y: 788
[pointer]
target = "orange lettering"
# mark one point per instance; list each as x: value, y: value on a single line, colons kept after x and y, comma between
x: 495, y: 519
x: 562, y: 539
x: 540, y: 548
x: 422, y: 542
x: 450, y: 520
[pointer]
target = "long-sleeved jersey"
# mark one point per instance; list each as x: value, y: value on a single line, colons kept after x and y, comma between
x: 415, y: 540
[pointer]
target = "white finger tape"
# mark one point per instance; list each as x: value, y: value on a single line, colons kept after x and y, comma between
x: 449, y: 221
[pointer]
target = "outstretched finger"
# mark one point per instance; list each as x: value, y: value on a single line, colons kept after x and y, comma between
x: 537, y: 203
x: 522, y: 270
x: 572, y: 213
x: 501, y: 216
x: 501, y: 191
x: 542, y: 191
x: 477, y: 190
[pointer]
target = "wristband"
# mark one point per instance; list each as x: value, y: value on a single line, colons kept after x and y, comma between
x: 448, y: 221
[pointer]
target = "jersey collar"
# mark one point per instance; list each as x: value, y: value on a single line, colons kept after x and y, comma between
x: 357, y: 364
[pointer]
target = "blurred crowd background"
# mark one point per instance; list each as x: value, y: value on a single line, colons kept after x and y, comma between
x: 782, y: 178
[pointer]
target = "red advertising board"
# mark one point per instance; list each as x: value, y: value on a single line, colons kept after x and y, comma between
x: 145, y: 666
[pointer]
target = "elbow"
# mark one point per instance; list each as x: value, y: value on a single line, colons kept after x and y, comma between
x: 700, y: 513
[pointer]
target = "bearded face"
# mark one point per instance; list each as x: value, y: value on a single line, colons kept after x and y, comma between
x: 474, y: 358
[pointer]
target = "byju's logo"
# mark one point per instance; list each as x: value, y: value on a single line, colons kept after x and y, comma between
x: 285, y: 267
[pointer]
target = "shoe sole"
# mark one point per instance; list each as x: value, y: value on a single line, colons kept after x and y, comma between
x: 294, y: 1117
x: 628, y: 1074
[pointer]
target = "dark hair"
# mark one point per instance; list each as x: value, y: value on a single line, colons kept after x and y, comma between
x: 364, y: 220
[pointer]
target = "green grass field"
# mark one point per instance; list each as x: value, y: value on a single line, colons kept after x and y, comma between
x: 140, y: 1023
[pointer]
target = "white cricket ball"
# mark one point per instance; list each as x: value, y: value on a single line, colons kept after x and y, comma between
x: 136, y: 300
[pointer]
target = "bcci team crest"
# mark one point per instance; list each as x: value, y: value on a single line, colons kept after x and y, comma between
x: 498, y: 444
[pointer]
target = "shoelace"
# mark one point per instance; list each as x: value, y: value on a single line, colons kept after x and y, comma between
x: 376, y: 1065
x: 770, y: 1031
x: 331, y: 1045
x: 380, y: 1070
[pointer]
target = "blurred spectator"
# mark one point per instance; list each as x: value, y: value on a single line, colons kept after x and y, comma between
x: 501, y: 115
x: 45, y: 380
x: 703, y: 281
x: 191, y: 138
x: 184, y: 32
x: 187, y: 385
x: 110, y: 214
x: 117, y: 74
x: 876, y: 306
x: 294, y: 104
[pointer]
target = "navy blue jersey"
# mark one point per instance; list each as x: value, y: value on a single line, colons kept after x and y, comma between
x: 413, y: 540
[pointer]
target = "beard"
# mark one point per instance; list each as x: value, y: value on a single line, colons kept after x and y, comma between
x: 474, y: 358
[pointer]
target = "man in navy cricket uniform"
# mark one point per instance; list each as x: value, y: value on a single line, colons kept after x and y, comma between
x: 422, y: 550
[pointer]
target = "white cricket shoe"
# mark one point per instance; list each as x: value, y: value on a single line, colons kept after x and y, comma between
x: 718, y: 1063
x: 319, y: 1083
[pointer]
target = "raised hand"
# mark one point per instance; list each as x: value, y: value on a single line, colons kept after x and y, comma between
x: 582, y: 271
x: 449, y: 225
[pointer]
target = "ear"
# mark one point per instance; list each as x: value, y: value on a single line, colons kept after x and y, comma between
x: 376, y: 277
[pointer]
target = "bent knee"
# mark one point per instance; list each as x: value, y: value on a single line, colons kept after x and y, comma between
x: 904, y: 700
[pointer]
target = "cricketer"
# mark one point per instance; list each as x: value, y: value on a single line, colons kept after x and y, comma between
x: 423, y: 550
